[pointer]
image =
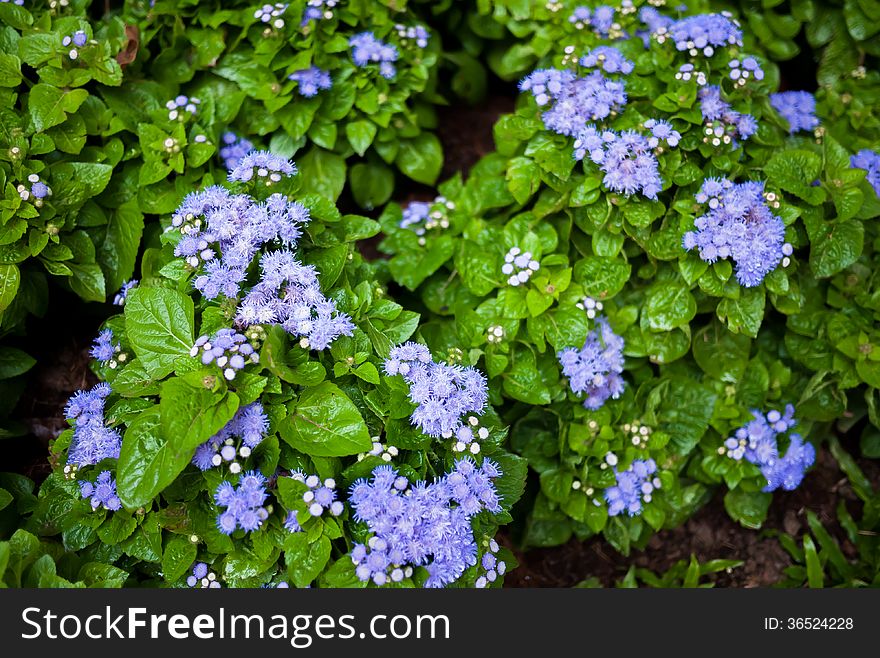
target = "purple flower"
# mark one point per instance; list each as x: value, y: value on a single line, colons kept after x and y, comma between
x: 102, y: 493
x: 869, y: 161
x: 103, y: 348
x: 119, y: 299
x: 738, y: 225
x: 311, y: 81
x: 607, y: 58
x: 234, y: 150
x: 265, y: 164
x: 723, y: 123
x: 634, y: 486
x: 705, y: 32
x: 444, y: 393
x: 92, y: 441
x: 228, y: 349
x: 317, y: 10
x: 626, y: 159
x: 244, y: 505
x: 237, y: 438
x: 796, y: 107
x: 421, y: 524
x: 417, y: 34
x: 367, y: 49
x: 595, y: 368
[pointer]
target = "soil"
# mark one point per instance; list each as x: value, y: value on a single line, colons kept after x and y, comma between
x: 709, y: 534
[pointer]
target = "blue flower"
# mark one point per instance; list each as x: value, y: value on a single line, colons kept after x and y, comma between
x: 738, y: 225
x: 272, y: 14
x: 311, y: 81
x: 444, y: 393
x: 317, y: 10
x: 228, y: 349
x: 741, y: 72
x: 102, y: 493
x: 92, y: 441
x: 421, y: 524
x: 202, y: 577
x: 723, y: 123
x: 757, y: 441
x: 595, y: 368
x: 633, y: 487
x: 601, y: 19
x: 119, y: 299
x: 320, y: 497
x: 103, y: 348
x: 414, y: 33
x: 367, y: 49
x: 607, y: 58
x: 244, y: 505
x: 576, y: 101
x: 265, y: 164
x: 796, y: 107
x: 78, y: 39
x: 188, y: 105
x: 626, y: 159
x: 705, y: 32
x: 237, y: 438
x: 869, y: 161
x: 236, y: 148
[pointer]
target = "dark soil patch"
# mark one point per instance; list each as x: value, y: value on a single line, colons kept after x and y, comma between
x: 709, y: 534
x: 466, y: 132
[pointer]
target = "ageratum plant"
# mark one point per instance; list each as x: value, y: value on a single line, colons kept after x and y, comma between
x: 638, y: 270
x: 347, y: 86
x: 263, y: 420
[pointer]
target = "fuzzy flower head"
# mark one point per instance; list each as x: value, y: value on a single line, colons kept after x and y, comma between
x: 311, y: 80
x: 634, y: 486
x: 119, y: 299
x: 92, y: 441
x: 317, y: 10
x: 75, y: 41
x: 236, y: 440
x: 869, y: 161
x: 234, y: 149
x: 738, y: 225
x: 243, y: 505
x: 228, y: 349
x: 366, y: 49
x: 201, y: 576
x: 421, y: 524
x: 758, y: 443
x: 626, y: 158
x: 265, y: 165
x: 421, y: 216
x: 607, y: 58
x: 703, y: 33
x: 108, y: 352
x: 519, y: 266
x: 412, y: 34
x: 596, y: 368
x: 492, y: 566
x: 444, y: 393
x: 271, y: 14
x: 36, y: 191
x: 101, y: 493
x: 723, y: 124
x: 796, y: 107
x: 321, y: 495
x: 741, y: 71
x: 600, y: 20
x: 182, y: 107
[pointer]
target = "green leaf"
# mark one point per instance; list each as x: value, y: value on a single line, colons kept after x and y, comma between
x: 744, y: 315
x: 191, y: 415
x: 371, y: 184
x: 326, y: 423
x: 48, y: 105
x: 602, y: 277
x: 749, y: 508
x: 668, y: 305
x: 836, y: 247
x: 815, y: 576
x: 14, y: 362
x: 305, y: 560
x: 360, y: 134
x: 10, y: 279
x: 721, y: 353
x: 159, y: 326
x: 74, y: 183
x: 179, y: 555
x: 322, y: 172
x: 523, y: 178
x: 421, y: 158
x: 794, y: 170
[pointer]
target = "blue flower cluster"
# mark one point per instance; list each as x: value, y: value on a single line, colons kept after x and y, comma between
x: 244, y: 505
x: 742, y: 71
x: 607, y: 58
x: 444, y: 393
x: 869, y: 161
x: 291, y: 524
x: 268, y: 166
x: 724, y: 125
x: 423, y: 524
x: 321, y: 496
x: 491, y: 564
x: 106, y: 351
x: 626, y: 158
x: 601, y: 19
x: 656, y: 23
x: 185, y: 103
x: 234, y: 150
x: 705, y: 32
x: 92, y: 440
x: 311, y: 80
x: 102, y: 493
x: 633, y: 487
x: 738, y: 225
x: 77, y: 40
x: 796, y: 107
x: 417, y: 34
x: 38, y: 190
x: 421, y: 216
x: 317, y: 10
x: 119, y: 299
x: 202, y: 577
x: 227, y: 348
x: 662, y: 131
x: 271, y: 14
x: 595, y: 369
x: 576, y: 101
x: 249, y: 425
x: 758, y: 443
x: 367, y: 49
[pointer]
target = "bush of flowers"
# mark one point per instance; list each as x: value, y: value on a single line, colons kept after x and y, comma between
x: 665, y: 271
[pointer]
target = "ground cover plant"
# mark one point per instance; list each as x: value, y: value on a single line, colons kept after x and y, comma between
x: 653, y: 303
